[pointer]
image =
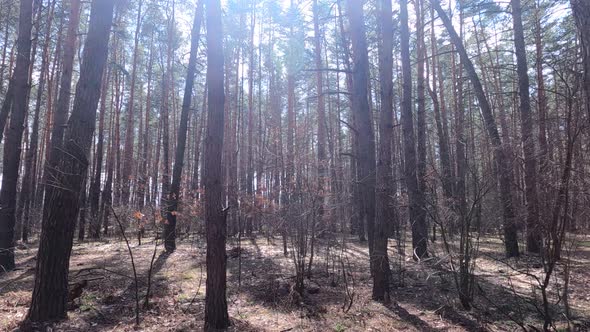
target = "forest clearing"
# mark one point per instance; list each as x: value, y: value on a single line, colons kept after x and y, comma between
x: 263, y: 299
x: 294, y: 165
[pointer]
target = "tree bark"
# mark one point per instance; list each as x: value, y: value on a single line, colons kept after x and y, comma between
x: 533, y: 239
x: 385, y: 203
x: 50, y: 292
x: 216, y: 316
x: 416, y: 204
x: 364, y: 125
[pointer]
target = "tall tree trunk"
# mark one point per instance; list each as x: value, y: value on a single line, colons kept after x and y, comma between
x: 250, y: 165
x: 60, y: 115
x: 416, y: 204
x: 29, y: 183
x: 165, y: 113
x: 50, y: 292
x: 94, y: 229
x: 174, y: 194
x: 438, y: 106
x: 12, y: 146
x: 216, y: 316
x: 533, y: 239
x: 581, y: 11
x: 321, y: 139
x: 504, y: 168
x: 364, y: 125
x: 143, y: 185
x: 385, y: 203
x: 129, y: 123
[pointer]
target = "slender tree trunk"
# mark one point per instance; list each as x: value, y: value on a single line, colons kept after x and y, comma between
x: 360, y: 106
x: 321, y: 139
x: 385, y: 203
x: 416, y: 204
x: 50, y: 292
x: 28, y: 186
x: 250, y: 166
x: 143, y: 178
x: 95, y: 183
x: 129, y: 123
x: 533, y: 240
x: 14, y: 134
x: 174, y: 195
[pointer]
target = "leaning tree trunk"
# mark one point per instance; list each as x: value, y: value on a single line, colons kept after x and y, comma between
x: 216, y: 316
x: 174, y: 194
x: 50, y: 293
x: 14, y: 134
x: 504, y: 167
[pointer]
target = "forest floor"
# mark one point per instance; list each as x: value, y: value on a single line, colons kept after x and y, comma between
x: 260, y: 297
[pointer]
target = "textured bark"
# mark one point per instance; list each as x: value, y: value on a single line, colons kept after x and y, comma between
x: 533, y: 239
x: 174, y: 195
x: 216, y: 316
x: 416, y: 204
x: 14, y: 134
x: 360, y: 106
x: 60, y: 115
x: 50, y: 291
x: 385, y: 203
x: 504, y: 168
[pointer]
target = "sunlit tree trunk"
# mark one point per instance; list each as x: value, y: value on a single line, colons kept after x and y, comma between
x: 216, y: 316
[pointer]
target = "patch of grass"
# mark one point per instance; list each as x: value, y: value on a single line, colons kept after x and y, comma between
x: 87, y: 302
x: 339, y: 327
x: 183, y: 297
x: 188, y: 275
